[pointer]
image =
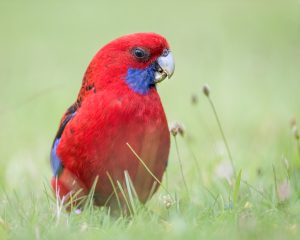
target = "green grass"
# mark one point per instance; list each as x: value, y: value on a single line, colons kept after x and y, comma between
x: 248, y: 53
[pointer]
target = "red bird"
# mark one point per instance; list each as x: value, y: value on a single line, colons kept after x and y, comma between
x: 117, y: 104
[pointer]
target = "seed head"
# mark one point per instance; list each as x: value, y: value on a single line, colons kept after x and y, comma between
x: 293, y: 122
x: 295, y: 130
x: 167, y: 201
x: 176, y: 128
x: 194, y: 99
x: 206, y: 90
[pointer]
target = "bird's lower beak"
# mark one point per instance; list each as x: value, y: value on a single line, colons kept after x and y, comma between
x: 165, y: 67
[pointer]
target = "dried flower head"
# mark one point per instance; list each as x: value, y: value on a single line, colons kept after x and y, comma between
x: 176, y: 128
x: 206, y: 90
x: 259, y: 172
x: 295, y: 130
x: 194, y: 99
x: 284, y: 191
x: 167, y: 201
x: 293, y: 122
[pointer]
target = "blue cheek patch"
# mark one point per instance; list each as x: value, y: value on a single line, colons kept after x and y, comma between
x: 141, y: 80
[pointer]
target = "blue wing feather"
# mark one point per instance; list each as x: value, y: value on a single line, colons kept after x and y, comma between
x: 56, y: 162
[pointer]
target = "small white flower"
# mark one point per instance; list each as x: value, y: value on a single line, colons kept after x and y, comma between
x: 224, y: 170
x: 220, y: 149
x: 77, y: 211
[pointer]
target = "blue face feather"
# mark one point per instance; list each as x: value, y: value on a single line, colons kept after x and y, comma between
x: 141, y: 80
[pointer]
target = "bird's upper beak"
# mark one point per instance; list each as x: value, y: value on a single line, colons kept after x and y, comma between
x: 165, y: 66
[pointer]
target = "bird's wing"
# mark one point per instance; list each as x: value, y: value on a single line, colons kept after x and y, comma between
x: 56, y: 163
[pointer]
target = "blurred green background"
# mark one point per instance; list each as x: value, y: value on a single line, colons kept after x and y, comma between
x: 247, y: 51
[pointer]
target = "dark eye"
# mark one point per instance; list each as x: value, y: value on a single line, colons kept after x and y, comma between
x: 140, y: 54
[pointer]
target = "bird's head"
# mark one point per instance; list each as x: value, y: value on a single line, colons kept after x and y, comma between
x: 139, y: 61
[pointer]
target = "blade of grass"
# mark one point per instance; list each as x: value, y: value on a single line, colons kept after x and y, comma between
x: 275, y: 184
x: 237, y: 186
x: 125, y: 198
x: 256, y: 190
x: 74, y: 198
x: 127, y: 177
x: 152, y: 190
x: 116, y: 193
x: 129, y: 190
x: 90, y: 198
x: 146, y: 167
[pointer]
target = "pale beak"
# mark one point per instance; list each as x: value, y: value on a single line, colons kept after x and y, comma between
x: 165, y: 66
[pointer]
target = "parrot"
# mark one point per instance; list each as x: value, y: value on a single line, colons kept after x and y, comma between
x: 118, y: 106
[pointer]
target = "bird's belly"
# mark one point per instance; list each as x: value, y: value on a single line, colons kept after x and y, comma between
x: 149, y: 142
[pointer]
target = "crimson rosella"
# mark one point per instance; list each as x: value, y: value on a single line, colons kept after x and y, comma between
x: 117, y: 104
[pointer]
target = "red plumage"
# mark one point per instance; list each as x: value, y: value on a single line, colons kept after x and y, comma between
x: 108, y: 114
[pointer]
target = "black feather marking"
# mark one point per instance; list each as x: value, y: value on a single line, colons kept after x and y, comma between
x: 56, y: 164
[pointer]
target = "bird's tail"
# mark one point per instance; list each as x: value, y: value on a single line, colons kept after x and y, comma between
x: 68, y: 189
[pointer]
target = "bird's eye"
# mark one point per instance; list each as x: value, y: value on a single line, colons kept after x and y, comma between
x: 140, y: 54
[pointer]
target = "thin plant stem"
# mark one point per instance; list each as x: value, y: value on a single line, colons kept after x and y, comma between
x: 223, y: 134
x: 298, y: 147
x: 275, y: 183
x: 255, y: 190
x: 195, y: 160
x: 146, y: 167
x: 116, y: 193
x: 125, y: 198
x: 181, y: 169
x: 167, y: 178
